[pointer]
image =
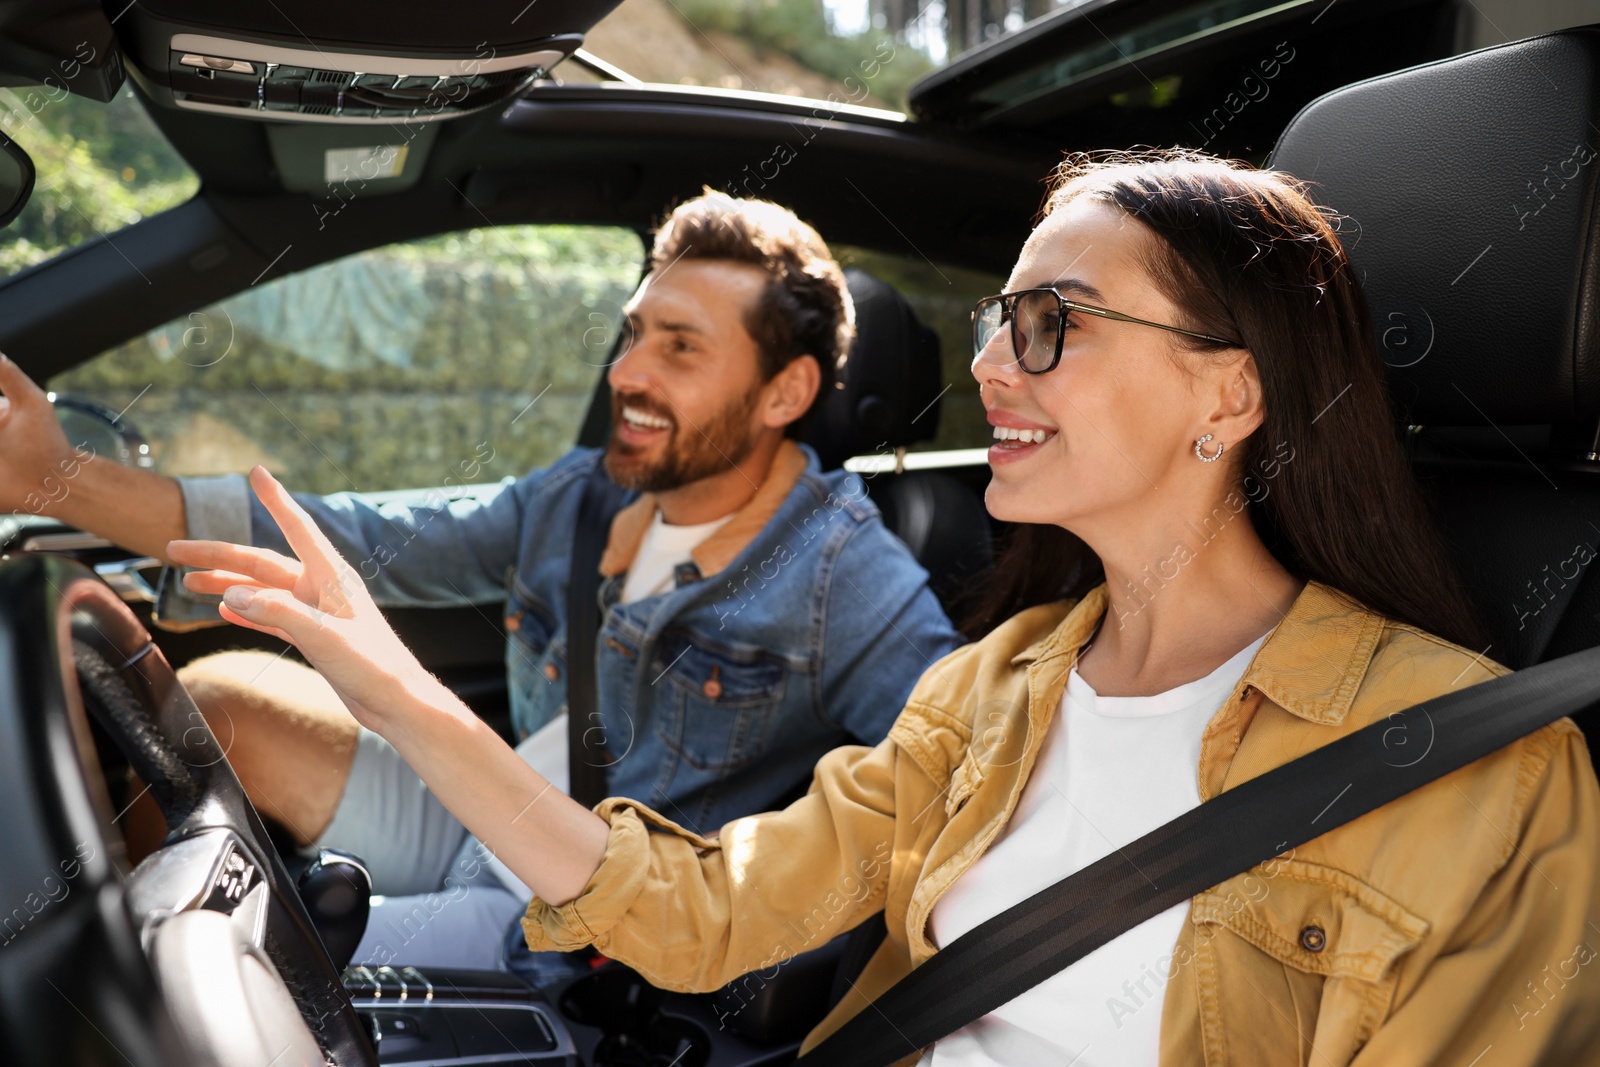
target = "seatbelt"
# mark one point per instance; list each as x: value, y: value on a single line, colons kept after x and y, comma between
x: 1022, y: 946
x: 586, y: 759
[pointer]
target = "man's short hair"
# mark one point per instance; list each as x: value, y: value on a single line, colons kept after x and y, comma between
x: 805, y: 308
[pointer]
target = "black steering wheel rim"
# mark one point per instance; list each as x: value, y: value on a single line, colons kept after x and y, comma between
x: 71, y: 652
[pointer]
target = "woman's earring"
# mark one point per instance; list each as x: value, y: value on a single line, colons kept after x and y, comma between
x: 1214, y: 456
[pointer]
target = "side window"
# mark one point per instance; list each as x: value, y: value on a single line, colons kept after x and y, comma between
x: 457, y: 359
x: 100, y: 167
x: 942, y: 297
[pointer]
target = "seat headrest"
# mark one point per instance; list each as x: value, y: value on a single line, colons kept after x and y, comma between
x: 888, y: 391
x: 1470, y: 190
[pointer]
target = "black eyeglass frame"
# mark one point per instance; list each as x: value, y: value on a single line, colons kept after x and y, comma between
x: 1008, y: 304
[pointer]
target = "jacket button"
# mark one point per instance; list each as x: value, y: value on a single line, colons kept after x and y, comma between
x: 550, y: 672
x: 1313, y: 939
x: 514, y: 621
x: 713, y: 687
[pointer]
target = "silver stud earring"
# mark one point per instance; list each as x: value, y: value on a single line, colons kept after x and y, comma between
x: 1214, y: 456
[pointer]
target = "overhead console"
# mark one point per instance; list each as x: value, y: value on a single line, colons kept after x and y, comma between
x: 311, y: 61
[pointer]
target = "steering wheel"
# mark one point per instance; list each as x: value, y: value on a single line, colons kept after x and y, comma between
x: 232, y: 972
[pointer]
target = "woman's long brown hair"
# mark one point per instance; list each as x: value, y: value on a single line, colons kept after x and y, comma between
x: 1245, y: 253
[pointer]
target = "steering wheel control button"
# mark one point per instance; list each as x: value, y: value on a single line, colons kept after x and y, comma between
x: 1313, y: 939
x: 235, y: 875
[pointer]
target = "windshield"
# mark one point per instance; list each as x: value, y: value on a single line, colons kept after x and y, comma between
x: 101, y: 167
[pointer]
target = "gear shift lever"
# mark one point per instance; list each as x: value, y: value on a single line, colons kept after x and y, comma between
x: 336, y: 889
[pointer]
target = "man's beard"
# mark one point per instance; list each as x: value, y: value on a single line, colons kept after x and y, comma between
x: 692, y: 453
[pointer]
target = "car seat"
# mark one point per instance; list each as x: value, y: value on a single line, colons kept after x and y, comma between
x: 887, y: 397
x: 1468, y: 188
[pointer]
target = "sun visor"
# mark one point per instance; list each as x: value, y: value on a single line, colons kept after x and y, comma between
x: 345, y: 63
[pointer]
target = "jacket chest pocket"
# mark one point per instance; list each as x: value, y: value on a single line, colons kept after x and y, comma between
x: 1319, y: 946
x: 535, y: 661
x: 720, y: 700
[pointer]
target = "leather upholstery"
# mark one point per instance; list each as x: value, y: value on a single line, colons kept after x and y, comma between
x: 1470, y: 187
x: 945, y: 524
x: 887, y: 394
x: 888, y: 398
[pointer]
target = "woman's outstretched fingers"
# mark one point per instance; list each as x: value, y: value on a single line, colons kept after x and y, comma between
x: 215, y: 583
x: 262, y: 564
x: 272, y: 610
x: 303, y: 535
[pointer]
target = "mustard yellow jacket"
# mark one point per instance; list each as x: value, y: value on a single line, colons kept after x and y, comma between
x: 1456, y: 925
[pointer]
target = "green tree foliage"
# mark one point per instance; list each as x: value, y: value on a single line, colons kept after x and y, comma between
x: 800, y: 29
x: 100, y: 167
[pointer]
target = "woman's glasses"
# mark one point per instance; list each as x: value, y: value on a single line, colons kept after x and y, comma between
x: 1038, y: 319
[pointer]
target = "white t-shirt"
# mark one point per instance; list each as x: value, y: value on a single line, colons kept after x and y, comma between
x: 1110, y: 770
x: 652, y: 572
x: 664, y: 547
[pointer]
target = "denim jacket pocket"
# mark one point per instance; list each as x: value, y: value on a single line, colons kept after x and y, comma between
x: 723, y: 700
x: 534, y: 659
x: 1318, y: 943
x: 528, y: 619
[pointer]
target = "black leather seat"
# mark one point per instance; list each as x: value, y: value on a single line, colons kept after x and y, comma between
x: 888, y: 398
x: 1473, y: 204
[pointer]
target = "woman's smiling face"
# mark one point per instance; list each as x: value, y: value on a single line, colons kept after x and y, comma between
x: 1121, y: 410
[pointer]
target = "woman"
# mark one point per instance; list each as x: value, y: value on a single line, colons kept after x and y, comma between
x: 1225, y: 565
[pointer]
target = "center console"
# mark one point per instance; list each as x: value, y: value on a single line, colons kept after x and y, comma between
x: 611, y: 1016
x: 443, y: 1018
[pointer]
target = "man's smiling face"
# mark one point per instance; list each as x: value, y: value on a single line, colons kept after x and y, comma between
x: 686, y: 388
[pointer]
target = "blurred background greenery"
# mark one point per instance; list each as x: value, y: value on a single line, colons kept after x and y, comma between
x: 401, y: 367
x: 100, y: 168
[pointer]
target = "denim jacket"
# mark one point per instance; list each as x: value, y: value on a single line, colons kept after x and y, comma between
x: 805, y: 627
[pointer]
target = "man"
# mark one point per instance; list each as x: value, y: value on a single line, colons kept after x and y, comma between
x: 756, y: 611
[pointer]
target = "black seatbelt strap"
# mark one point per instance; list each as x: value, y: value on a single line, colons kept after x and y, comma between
x: 586, y: 761
x: 1225, y: 836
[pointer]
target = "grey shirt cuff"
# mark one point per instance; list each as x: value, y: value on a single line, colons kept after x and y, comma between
x: 215, y: 509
